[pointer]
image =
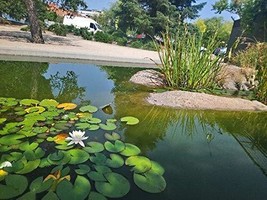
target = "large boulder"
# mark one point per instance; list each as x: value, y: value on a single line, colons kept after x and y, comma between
x: 149, y: 77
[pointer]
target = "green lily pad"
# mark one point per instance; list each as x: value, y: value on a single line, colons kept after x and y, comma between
x: 78, y: 156
x: 11, y: 139
x: 28, y: 195
x: 64, y: 147
x: 116, y: 185
x: 118, y: 146
x: 29, y: 166
x: 2, y: 120
x: 130, y: 150
x: 27, y: 146
x: 157, y: 168
x: 88, y: 108
x: 94, y: 147
x: 130, y: 120
x: 96, y: 196
x: 109, y: 126
x: 82, y: 126
x: 44, y: 163
x: 55, y: 158
x: 99, y: 159
x: 93, y: 127
x: 40, y: 130
x: 102, y: 169
x: 67, y: 106
x: 94, y: 120
x: 49, y: 103
x: 38, y: 186
x: 29, y: 102
x: 150, y: 182
x: 50, y: 114
x: 114, y: 136
x: 50, y: 196
x: 96, y: 176
x: 78, y: 191
x: 115, y: 161
x: 15, y: 186
x: 140, y: 164
x: 83, y: 169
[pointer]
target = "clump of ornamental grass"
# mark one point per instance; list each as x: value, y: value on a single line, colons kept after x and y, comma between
x: 186, y: 63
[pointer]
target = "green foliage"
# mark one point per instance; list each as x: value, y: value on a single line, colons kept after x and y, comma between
x: 255, y: 56
x: 26, y: 28
x: 184, y: 65
x: 102, y: 37
x: 58, y: 29
x: 214, y: 25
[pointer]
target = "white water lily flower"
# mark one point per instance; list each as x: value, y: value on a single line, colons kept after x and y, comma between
x: 5, y: 164
x: 76, y: 137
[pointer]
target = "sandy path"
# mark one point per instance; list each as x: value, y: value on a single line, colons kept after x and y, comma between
x: 14, y: 42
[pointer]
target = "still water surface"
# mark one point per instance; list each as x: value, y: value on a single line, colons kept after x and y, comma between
x: 205, y: 154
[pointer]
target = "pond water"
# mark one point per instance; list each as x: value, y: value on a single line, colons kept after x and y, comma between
x: 204, y: 154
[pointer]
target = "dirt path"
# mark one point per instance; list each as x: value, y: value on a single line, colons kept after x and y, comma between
x: 14, y: 42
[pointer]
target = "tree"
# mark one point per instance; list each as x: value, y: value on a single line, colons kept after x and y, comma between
x: 32, y: 10
x: 248, y: 10
x: 152, y: 17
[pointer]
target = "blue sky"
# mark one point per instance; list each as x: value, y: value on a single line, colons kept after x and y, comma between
x: 205, y: 13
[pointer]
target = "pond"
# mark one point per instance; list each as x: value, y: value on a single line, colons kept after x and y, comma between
x: 155, y: 153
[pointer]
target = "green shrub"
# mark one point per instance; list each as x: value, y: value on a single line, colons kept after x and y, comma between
x: 136, y: 44
x: 86, y: 34
x: 122, y: 41
x: 58, y: 29
x: 183, y: 63
x: 103, y: 37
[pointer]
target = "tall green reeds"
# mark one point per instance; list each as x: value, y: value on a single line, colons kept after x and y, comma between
x: 184, y: 62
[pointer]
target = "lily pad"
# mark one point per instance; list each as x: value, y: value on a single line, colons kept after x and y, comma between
x: 78, y: 191
x: 96, y: 176
x: 29, y: 166
x: 114, y: 136
x: 11, y: 139
x: 156, y: 168
x: 50, y: 196
x: 94, y: 147
x: 83, y: 169
x: 94, y: 120
x: 67, y: 106
x: 118, y: 146
x: 130, y: 150
x: 48, y: 103
x: 29, y: 102
x: 35, y: 109
x: 93, y: 127
x: 15, y: 186
x: 150, y: 182
x: 27, y: 146
x: 115, y: 161
x: 96, y: 196
x: 38, y: 185
x: 88, y: 108
x: 82, y: 126
x: 99, y: 159
x: 116, y: 185
x: 140, y: 164
x: 2, y: 120
x: 78, y: 156
x: 109, y: 126
x: 130, y: 120
x: 58, y: 159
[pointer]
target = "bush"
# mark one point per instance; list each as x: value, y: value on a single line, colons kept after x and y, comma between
x: 86, y: 34
x: 103, y: 37
x: 136, y: 44
x: 255, y: 56
x: 58, y: 29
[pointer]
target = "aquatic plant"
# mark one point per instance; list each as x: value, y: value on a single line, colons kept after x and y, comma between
x: 185, y: 63
x: 33, y: 136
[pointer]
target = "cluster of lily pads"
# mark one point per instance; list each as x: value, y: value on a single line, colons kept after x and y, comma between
x: 48, y: 136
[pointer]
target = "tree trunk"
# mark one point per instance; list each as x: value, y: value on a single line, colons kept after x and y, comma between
x: 35, y: 28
